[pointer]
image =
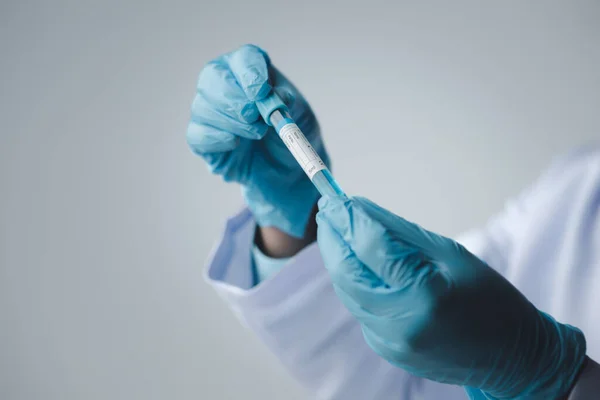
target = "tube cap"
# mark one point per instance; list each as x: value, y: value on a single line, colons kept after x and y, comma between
x: 269, y: 104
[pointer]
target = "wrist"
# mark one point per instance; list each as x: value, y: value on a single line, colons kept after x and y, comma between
x: 276, y: 243
x: 587, y: 385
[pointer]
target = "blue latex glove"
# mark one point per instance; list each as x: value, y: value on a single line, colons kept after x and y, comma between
x: 429, y: 306
x: 226, y: 130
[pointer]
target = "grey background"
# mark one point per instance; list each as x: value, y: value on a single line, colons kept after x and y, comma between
x: 437, y: 110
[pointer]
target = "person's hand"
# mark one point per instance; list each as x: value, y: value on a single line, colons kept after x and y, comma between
x: 429, y: 306
x: 227, y: 131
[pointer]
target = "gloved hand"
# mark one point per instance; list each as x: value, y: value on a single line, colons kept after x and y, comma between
x: 432, y: 308
x: 226, y: 130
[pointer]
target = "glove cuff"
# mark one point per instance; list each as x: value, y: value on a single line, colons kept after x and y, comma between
x: 566, y: 355
x: 558, y: 354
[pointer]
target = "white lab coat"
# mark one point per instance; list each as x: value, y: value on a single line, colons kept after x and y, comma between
x: 546, y: 242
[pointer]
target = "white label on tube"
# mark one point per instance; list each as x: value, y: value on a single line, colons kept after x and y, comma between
x: 303, y: 152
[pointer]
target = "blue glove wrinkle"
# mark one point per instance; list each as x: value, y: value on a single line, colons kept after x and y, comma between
x: 217, y: 85
x: 204, y: 113
x: 250, y: 68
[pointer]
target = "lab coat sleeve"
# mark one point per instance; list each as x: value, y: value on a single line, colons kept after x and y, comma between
x: 496, y: 241
x: 297, y: 315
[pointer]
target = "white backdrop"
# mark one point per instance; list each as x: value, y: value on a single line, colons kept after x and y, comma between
x: 437, y: 110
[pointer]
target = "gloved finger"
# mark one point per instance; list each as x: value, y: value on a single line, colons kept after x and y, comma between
x: 339, y: 259
x: 250, y: 66
x: 205, y: 113
x: 432, y: 244
x: 364, y: 293
x: 204, y: 139
x: 475, y: 393
x: 357, y: 286
x: 218, y: 86
x: 392, y: 260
